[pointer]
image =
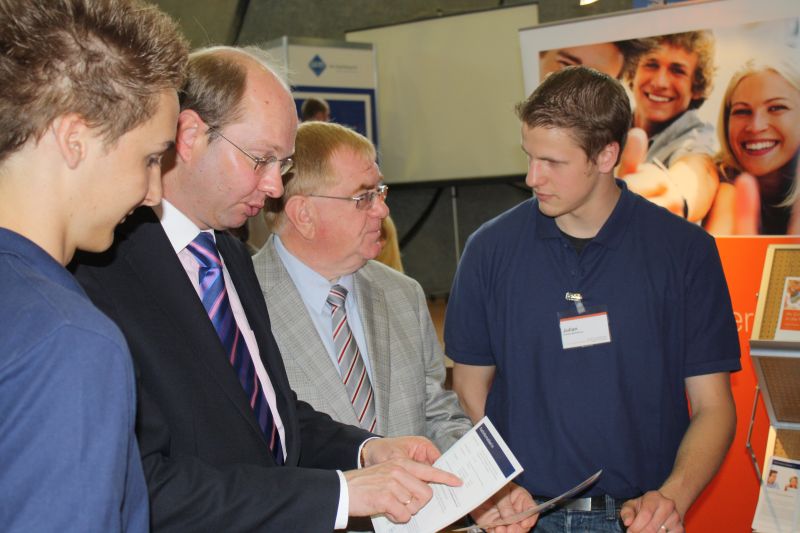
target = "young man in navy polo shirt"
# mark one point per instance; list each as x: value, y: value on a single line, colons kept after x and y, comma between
x: 89, y: 104
x: 581, y: 320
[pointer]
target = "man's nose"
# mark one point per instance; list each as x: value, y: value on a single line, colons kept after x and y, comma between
x: 534, y: 176
x: 154, y: 188
x: 271, y: 183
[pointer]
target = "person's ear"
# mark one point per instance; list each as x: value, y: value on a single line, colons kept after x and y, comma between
x: 72, y: 136
x: 190, y: 128
x: 606, y: 160
x: 301, y: 213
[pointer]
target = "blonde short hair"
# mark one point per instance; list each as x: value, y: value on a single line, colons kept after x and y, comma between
x: 315, y: 145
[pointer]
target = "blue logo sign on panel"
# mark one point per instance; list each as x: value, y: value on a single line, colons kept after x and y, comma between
x: 317, y: 65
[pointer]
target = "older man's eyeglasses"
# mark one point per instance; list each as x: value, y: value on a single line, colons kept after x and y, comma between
x: 365, y: 200
x: 262, y: 164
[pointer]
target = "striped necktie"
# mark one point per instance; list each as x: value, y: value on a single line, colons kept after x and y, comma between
x: 218, y: 306
x: 351, y: 365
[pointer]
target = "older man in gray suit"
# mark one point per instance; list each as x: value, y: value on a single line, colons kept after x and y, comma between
x: 376, y: 360
x: 356, y: 336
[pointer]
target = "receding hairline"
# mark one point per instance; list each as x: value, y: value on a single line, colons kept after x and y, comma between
x: 253, y: 67
x: 246, y: 57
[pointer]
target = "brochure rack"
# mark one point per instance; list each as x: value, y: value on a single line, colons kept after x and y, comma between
x: 775, y: 350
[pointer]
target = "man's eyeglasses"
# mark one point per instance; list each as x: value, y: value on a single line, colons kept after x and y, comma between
x: 262, y: 164
x: 364, y: 201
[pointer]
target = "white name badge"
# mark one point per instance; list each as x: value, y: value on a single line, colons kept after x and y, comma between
x: 584, y: 330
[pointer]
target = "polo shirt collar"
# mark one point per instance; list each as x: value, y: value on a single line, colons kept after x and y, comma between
x: 613, y: 230
x: 38, y: 259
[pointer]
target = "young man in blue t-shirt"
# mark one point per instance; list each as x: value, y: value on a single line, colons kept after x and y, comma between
x: 89, y: 104
x: 581, y: 320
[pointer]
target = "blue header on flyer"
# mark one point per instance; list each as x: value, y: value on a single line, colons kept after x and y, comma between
x: 497, y: 453
x: 785, y: 464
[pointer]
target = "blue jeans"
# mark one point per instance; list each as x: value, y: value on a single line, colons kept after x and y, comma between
x: 566, y: 521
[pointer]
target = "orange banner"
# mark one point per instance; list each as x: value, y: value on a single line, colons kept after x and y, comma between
x: 728, y: 503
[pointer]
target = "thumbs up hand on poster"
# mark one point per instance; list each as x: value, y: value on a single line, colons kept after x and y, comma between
x: 651, y: 180
x: 736, y: 209
x: 633, y: 153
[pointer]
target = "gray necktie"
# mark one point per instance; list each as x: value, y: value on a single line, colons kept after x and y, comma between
x: 351, y: 366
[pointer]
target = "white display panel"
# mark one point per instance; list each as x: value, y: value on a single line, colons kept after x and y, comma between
x: 446, y: 94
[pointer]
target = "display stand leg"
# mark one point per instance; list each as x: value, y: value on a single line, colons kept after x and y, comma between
x: 748, y: 445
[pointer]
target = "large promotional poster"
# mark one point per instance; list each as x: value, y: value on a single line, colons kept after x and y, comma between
x: 715, y: 89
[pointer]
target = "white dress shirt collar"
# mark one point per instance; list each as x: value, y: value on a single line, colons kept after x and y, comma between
x: 179, y: 228
x: 311, y: 285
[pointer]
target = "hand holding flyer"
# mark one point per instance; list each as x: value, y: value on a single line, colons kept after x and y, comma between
x: 484, y: 463
x: 544, y: 506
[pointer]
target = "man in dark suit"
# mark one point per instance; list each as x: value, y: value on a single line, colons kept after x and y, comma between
x: 216, y: 413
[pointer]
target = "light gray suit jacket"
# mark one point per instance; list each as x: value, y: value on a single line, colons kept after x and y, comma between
x: 406, y: 357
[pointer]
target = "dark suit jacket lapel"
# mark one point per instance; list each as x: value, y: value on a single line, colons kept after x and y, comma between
x: 240, y: 268
x: 152, y: 258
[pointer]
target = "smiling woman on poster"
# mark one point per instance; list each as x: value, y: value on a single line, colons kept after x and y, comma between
x: 759, y: 141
